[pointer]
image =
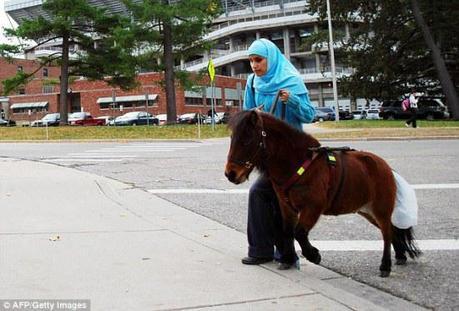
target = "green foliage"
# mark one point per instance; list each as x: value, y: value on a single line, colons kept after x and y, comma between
x: 386, y: 47
x: 190, y: 21
x: 113, y: 132
x: 16, y: 82
x: 91, y: 29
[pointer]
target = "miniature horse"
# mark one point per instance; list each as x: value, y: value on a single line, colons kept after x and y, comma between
x: 310, y: 180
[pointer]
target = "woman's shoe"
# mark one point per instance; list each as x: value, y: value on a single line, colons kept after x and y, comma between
x: 255, y: 260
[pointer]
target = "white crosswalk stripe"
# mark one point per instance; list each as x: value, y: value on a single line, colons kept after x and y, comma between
x: 246, y: 191
x: 376, y: 245
x: 123, y: 152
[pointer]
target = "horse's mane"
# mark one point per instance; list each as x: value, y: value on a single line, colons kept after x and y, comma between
x: 280, y: 132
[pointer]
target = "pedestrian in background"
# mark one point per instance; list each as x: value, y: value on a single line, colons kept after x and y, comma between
x: 413, y: 109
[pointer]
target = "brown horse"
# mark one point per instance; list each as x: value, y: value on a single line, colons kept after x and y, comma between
x: 310, y: 180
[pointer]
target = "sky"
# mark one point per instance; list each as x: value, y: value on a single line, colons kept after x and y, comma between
x: 4, y: 22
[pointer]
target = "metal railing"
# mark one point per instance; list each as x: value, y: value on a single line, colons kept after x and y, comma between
x: 308, y: 70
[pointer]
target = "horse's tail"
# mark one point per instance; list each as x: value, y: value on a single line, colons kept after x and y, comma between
x: 405, y: 239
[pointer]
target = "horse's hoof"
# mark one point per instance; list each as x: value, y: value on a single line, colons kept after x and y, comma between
x: 315, y: 259
x: 384, y: 274
x: 284, y: 266
x: 400, y: 261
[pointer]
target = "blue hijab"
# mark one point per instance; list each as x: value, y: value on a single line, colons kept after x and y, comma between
x: 280, y: 74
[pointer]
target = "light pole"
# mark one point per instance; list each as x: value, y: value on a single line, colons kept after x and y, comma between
x: 332, y: 60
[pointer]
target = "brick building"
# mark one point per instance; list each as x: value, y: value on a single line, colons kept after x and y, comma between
x: 41, y: 95
x: 41, y: 83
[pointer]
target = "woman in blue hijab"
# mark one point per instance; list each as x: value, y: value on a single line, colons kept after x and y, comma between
x: 273, y: 73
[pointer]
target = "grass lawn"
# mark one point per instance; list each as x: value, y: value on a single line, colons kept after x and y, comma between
x: 353, y: 129
x: 386, y: 124
x: 380, y: 129
x: 111, y: 132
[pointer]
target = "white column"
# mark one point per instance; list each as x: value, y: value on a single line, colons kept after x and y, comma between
x: 332, y: 60
x: 233, y: 70
x: 286, y: 43
x: 231, y: 44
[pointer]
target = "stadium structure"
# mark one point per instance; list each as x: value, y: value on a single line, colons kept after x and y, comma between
x: 285, y: 22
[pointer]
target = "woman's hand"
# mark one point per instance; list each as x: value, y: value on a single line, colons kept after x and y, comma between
x: 284, y: 95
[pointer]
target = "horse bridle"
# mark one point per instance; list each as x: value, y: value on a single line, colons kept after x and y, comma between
x: 261, y: 145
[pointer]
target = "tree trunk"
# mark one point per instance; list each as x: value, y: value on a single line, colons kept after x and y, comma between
x: 443, y: 74
x: 64, y: 81
x: 169, y: 73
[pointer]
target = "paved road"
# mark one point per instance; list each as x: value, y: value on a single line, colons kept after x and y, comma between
x: 180, y: 167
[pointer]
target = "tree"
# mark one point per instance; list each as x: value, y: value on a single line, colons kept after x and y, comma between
x: 170, y: 31
x: 99, y: 37
x: 443, y: 74
x: 387, y: 50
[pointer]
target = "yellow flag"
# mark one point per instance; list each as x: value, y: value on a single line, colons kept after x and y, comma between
x: 211, y: 70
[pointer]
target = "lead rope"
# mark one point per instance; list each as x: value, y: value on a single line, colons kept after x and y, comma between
x: 274, y: 104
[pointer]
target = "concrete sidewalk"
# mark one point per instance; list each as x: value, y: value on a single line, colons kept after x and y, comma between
x: 66, y: 234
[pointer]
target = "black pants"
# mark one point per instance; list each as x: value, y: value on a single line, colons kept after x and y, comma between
x: 264, y: 225
x: 412, y: 119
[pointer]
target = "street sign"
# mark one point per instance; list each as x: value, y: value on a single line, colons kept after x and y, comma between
x: 211, y: 70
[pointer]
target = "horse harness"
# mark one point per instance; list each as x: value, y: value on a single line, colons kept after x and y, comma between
x: 332, y: 153
x: 334, y: 190
x: 260, y: 146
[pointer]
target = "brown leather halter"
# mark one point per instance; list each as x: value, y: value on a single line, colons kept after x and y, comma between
x: 261, y: 146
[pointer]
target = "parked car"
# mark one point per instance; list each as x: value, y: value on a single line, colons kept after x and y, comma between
x: 4, y: 122
x: 75, y: 116
x: 50, y: 119
x: 218, y: 117
x: 88, y: 120
x: 359, y: 114
x: 226, y: 117
x: 162, y: 118
x: 345, y: 115
x: 372, y: 114
x: 324, y: 114
x: 136, y: 118
x: 429, y: 108
x: 106, y: 119
x: 190, y: 118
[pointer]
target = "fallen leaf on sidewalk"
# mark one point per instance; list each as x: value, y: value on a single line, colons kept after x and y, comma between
x: 55, y: 238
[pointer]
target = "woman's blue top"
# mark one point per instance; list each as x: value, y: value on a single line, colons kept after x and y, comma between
x: 281, y: 74
x: 299, y: 109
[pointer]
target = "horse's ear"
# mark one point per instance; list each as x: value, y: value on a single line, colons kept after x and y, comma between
x: 260, y: 108
x: 254, y: 116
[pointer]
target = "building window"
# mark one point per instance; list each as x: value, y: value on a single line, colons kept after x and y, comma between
x: 218, y: 102
x: 48, y: 89
x: 231, y: 102
x: 193, y: 101
x: 128, y: 104
x: 20, y: 69
x: 21, y: 91
x: 45, y: 72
